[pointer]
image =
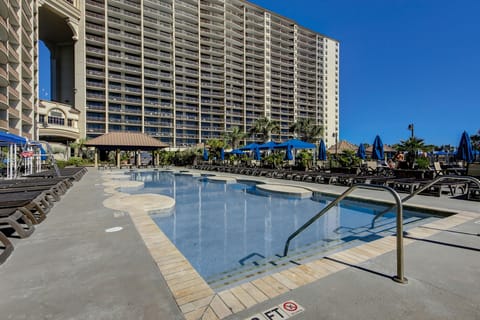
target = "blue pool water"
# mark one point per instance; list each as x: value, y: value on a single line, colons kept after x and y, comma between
x: 227, y: 229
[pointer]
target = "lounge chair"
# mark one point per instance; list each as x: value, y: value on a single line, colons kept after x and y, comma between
x: 14, y: 218
x: 7, y: 248
x: 34, y: 204
x: 473, y: 170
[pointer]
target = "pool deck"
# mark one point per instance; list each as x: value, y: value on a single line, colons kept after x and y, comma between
x: 71, y: 268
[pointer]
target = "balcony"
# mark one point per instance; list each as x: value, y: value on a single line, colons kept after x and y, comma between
x: 13, y: 55
x: 13, y: 113
x: 3, y: 53
x: 27, y: 104
x: 13, y: 37
x: 13, y: 94
x: 4, y: 125
x: 3, y: 28
x: 13, y: 75
x: 3, y: 77
x: 3, y: 102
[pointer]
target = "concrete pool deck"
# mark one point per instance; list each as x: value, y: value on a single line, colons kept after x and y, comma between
x: 70, y: 268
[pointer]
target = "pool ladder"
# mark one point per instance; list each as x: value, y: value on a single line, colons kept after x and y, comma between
x: 399, y: 277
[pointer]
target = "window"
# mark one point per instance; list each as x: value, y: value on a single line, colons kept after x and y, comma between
x: 56, y: 116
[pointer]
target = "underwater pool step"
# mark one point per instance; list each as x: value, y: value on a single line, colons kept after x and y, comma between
x: 263, y: 266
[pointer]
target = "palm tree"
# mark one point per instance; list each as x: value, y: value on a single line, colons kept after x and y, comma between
x: 476, y: 140
x: 79, y: 147
x: 264, y: 127
x: 412, y: 145
x: 234, y: 137
x: 307, y: 130
x: 215, y: 146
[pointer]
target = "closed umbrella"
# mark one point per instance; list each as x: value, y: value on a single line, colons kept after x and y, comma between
x: 361, y: 151
x: 288, y: 154
x: 322, y: 151
x: 465, y: 150
x: 256, y: 154
x: 377, y: 149
x: 222, y: 154
x: 205, y: 154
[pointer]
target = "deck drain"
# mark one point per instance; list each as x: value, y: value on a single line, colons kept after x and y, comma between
x: 114, y: 229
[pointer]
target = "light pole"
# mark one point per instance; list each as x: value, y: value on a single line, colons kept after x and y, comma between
x: 410, y: 127
x: 335, y: 135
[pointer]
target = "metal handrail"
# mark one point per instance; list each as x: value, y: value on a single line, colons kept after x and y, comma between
x: 399, y: 277
x: 428, y: 185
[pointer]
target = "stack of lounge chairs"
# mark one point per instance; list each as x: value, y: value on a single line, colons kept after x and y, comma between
x: 26, y: 202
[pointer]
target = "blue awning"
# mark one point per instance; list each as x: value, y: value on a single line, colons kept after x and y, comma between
x: 296, y: 144
x: 10, y: 138
x: 251, y: 146
x: 268, y: 145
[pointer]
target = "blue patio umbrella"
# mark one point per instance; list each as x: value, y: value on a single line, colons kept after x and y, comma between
x: 377, y: 149
x: 205, y: 154
x: 251, y: 146
x: 296, y: 144
x: 288, y: 154
x: 465, y: 150
x: 10, y: 138
x: 361, y: 151
x: 256, y: 154
x: 222, y: 154
x: 237, y: 152
x: 267, y: 145
x: 322, y: 151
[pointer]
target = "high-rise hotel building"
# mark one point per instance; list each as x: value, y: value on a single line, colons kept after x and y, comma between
x: 183, y: 71
x: 18, y: 70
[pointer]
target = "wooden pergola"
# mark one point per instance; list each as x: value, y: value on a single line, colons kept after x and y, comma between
x: 125, y: 141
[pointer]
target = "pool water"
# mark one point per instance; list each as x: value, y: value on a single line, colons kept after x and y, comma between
x: 228, y: 231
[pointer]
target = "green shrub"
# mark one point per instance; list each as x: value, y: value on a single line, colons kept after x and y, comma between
x: 422, y: 163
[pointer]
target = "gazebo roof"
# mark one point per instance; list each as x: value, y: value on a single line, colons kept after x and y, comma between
x: 126, y: 141
x: 342, y: 146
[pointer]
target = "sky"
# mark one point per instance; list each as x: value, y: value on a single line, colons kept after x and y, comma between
x: 401, y: 62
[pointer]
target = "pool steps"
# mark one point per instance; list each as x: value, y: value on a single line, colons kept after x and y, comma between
x: 263, y: 266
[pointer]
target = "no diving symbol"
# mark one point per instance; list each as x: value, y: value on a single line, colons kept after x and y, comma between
x: 290, y: 306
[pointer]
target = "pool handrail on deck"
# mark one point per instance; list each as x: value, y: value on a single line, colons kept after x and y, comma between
x: 399, y: 221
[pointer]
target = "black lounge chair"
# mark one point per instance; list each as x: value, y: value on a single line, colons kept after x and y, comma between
x: 75, y: 173
x: 34, y: 204
x: 14, y: 217
x: 7, y: 248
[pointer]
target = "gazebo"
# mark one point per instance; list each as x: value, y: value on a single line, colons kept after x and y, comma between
x: 341, y: 146
x: 124, y: 141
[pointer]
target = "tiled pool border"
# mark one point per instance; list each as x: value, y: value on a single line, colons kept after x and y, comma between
x: 197, y: 300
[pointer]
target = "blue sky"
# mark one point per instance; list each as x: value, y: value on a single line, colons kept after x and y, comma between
x: 401, y: 62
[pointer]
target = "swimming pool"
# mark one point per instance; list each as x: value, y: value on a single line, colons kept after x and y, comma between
x: 230, y: 232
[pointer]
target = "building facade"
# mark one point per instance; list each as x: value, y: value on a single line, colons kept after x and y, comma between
x: 18, y: 68
x: 184, y: 71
